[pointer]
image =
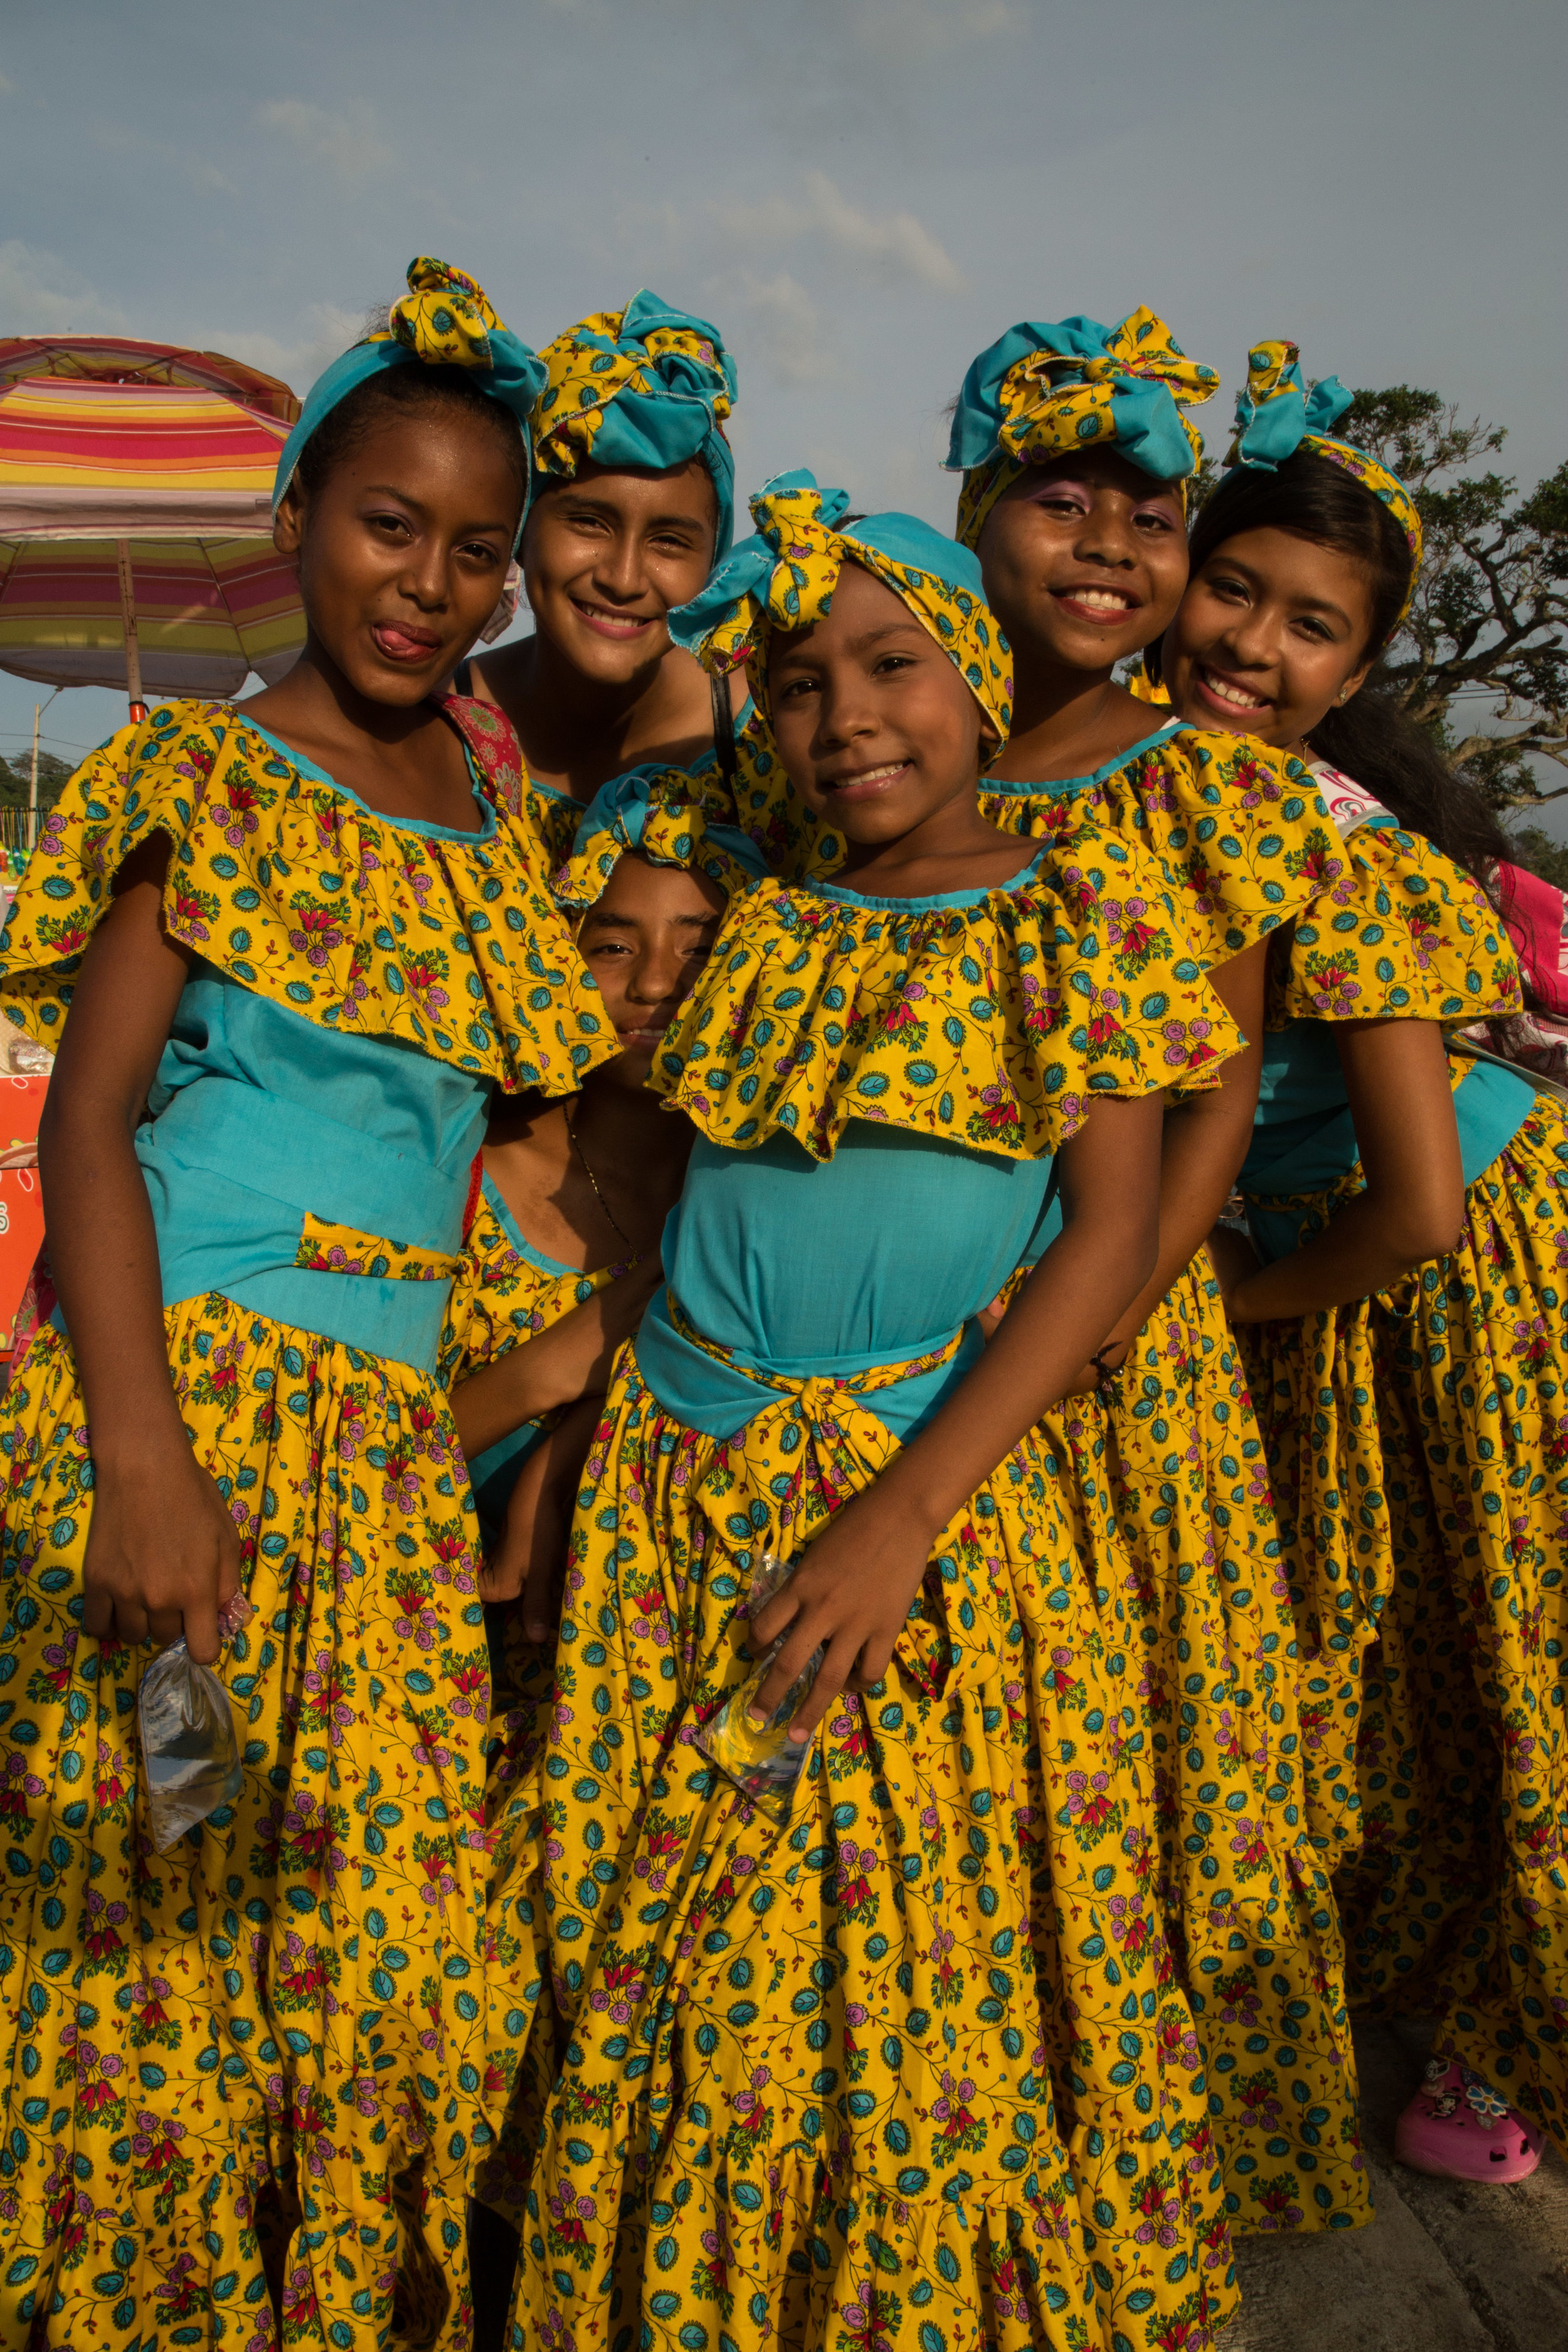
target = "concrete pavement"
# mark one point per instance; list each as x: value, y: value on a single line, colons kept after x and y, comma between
x: 1444, y: 2268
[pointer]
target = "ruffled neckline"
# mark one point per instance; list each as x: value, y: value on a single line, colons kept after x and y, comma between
x: 842, y: 895
x: 1236, y: 828
x: 445, y: 941
x: 1068, y: 785
x: 991, y: 1018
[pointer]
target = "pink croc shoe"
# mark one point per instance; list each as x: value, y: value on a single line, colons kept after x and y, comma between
x: 1458, y: 2127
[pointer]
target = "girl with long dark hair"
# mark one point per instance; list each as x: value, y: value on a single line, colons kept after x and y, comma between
x: 1399, y: 1303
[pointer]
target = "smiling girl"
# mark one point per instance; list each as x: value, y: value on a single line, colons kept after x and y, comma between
x: 634, y: 504
x: 300, y: 949
x: 1075, y: 447
x: 812, y: 2044
x: 1410, y: 1206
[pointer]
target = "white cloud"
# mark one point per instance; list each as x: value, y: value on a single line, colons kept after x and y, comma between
x: 895, y: 245
x: 324, y: 331
x: 786, y: 326
x: 349, y: 143
x: 40, y: 295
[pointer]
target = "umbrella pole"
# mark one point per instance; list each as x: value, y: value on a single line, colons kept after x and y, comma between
x: 133, y: 650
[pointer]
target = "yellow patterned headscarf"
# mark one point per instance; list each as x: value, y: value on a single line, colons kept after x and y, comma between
x: 645, y: 386
x: 1276, y: 416
x: 1044, y: 389
x: 669, y: 815
x: 784, y: 577
x: 445, y: 320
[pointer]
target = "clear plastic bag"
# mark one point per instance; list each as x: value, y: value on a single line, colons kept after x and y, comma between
x: 761, y: 1758
x: 190, y: 1753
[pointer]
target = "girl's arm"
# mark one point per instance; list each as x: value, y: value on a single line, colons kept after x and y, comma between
x: 531, y: 1557
x: 1396, y: 1079
x: 557, y: 1366
x: 162, y: 1553
x: 854, y: 1587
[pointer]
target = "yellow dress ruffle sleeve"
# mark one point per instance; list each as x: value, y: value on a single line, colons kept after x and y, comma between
x: 293, y: 887
x: 1395, y: 932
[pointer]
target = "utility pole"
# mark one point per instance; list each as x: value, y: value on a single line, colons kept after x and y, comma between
x: 33, y: 798
x: 39, y: 710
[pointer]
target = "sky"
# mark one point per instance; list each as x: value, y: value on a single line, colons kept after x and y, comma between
x: 860, y: 194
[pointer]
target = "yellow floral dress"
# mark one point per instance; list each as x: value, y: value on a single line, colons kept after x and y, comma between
x: 505, y: 1293
x: 1417, y: 1449
x: 916, y: 2065
x: 277, y: 2030
x: 1174, y: 1463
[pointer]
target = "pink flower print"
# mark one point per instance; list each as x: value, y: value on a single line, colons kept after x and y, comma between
x: 1090, y: 1801
x: 236, y: 814
x: 1255, y: 782
x: 1042, y: 1005
x: 1335, y: 991
x: 1249, y: 1845
x: 319, y: 931
x: 96, y: 2077
x: 952, y: 2110
x: 1186, y: 1044
x: 1107, y: 1005
x: 1131, y: 1929
x: 1158, y: 2206
x: 326, y: 1687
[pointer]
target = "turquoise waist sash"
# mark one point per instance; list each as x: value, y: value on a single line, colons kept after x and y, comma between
x: 1310, y: 1155
x: 711, y: 1396
x: 232, y: 1170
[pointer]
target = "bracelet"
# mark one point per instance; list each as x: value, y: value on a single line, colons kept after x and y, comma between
x: 1108, y: 1374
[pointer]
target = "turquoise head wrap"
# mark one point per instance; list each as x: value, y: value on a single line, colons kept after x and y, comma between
x: 1276, y: 416
x: 647, y: 386
x: 445, y: 320
x: 673, y: 818
x: 784, y: 576
x: 1045, y: 389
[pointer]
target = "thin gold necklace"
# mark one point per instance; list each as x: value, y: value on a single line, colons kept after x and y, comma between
x: 572, y: 1132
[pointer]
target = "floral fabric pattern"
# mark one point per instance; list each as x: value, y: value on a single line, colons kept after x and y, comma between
x: 287, y: 2011
x: 1394, y: 930
x: 672, y: 816
x: 1424, y: 1435
x: 1184, y: 1532
x: 993, y: 1025
x: 327, y: 1248
x: 783, y: 2051
x: 300, y: 893
x: 1237, y: 832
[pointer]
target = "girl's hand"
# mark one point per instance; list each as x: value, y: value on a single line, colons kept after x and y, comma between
x: 163, y: 1554
x: 1233, y: 1258
x: 852, y: 1592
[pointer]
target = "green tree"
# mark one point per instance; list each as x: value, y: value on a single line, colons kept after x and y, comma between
x: 16, y: 779
x: 1487, y: 634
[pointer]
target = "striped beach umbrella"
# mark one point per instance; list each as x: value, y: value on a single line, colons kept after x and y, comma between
x: 135, y: 518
